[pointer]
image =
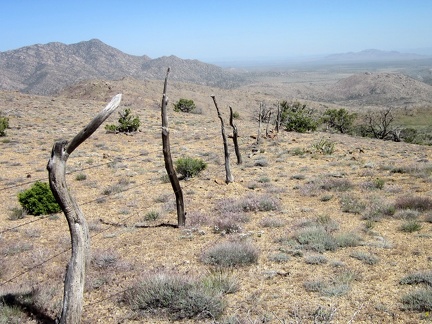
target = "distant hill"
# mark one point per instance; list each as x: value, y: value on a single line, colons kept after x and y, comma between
x: 372, y: 55
x: 380, y: 89
x: 47, y: 68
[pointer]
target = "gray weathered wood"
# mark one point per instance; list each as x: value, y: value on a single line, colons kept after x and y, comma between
x: 235, y: 138
x: 229, y: 177
x: 80, y: 240
x: 181, y: 216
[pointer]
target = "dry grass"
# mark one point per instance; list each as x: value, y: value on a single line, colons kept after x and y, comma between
x: 122, y: 185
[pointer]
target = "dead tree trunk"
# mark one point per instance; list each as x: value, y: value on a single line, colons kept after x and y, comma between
x: 259, y: 123
x: 268, y: 124
x: 235, y: 138
x: 181, y: 215
x: 229, y: 177
x: 80, y: 240
x: 278, y: 118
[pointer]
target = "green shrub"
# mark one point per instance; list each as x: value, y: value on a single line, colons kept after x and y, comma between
x: 151, y: 216
x: 189, y: 167
x: 324, y: 146
x: 410, y: 226
x: 80, y: 177
x: 4, y: 124
x: 185, y: 105
x: 39, y: 200
x: 127, y: 123
x: 297, y: 117
x: 236, y: 115
x: 339, y: 119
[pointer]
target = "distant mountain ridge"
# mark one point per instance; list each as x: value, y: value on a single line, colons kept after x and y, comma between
x: 47, y: 68
x: 370, y: 55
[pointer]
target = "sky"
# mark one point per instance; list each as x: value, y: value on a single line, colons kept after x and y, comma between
x: 220, y: 30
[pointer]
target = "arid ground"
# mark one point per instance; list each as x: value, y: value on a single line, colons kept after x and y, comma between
x: 356, y: 194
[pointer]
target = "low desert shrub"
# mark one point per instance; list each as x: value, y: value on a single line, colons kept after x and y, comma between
x: 176, y: 297
x: 410, y: 226
x: 231, y: 254
x: 17, y: 213
x: 406, y: 214
x: 347, y: 240
x: 103, y: 260
x: 151, y: 216
x: 81, y: 177
x: 279, y: 257
x: 197, y: 219
x: 220, y: 280
x: 351, y: 204
x: 227, y: 226
x: 39, y: 200
x: 189, y: 167
x: 418, y: 300
x: 249, y: 203
x: 365, y: 257
x: 272, y: 222
x: 424, y: 277
x: 315, y: 259
x: 377, y: 209
x: 316, y: 239
x: 324, y: 146
x: 414, y: 202
x: 338, y: 285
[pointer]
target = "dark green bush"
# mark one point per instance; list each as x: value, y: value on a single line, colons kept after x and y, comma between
x: 296, y: 117
x: 39, y: 200
x: 189, y: 167
x: 185, y: 105
x: 127, y: 123
x: 339, y: 119
x: 4, y: 124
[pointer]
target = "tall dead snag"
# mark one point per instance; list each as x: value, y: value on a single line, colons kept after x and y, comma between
x: 80, y: 240
x: 235, y: 138
x: 181, y: 217
x: 229, y: 176
x: 278, y: 118
x: 259, y: 122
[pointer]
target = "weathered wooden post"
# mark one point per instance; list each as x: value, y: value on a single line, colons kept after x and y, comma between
x: 235, y: 138
x: 80, y: 240
x: 181, y: 216
x: 229, y: 177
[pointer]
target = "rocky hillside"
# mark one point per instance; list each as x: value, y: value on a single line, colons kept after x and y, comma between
x: 48, y: 68
x: 380, y: 89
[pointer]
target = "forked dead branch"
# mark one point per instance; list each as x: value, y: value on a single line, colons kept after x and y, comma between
x: 75, y: 273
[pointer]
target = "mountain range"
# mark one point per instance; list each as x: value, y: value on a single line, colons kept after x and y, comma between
x: 45, y: 69
x: 373, y: 55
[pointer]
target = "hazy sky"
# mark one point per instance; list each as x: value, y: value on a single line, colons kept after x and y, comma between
x: 212, y: 30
